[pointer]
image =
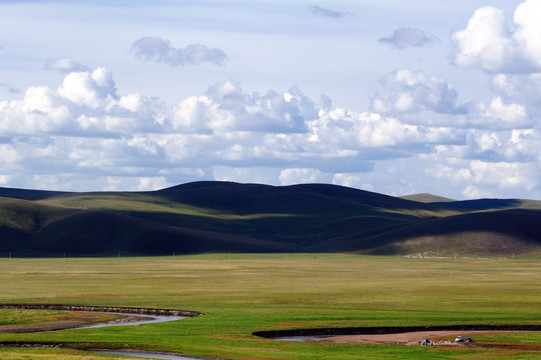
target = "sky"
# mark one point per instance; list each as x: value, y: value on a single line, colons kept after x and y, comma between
x: 395, y: 97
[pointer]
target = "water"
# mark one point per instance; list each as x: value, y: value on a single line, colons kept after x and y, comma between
x: 147, y: 355
x: 145, y: 320
x: 301, y: 338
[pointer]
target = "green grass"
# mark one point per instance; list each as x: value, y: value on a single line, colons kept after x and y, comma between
x: 246, y: 293
x: 19, y: 317
x: 146, y: 203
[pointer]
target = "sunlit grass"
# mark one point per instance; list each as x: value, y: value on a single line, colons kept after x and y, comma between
x: 145, y: 203
x: 240, y: 294
x: 17, y: 317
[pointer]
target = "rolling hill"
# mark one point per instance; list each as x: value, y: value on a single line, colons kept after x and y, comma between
x: 231, y: 217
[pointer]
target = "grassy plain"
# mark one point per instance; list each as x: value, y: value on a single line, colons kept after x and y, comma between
x: 240, y: 294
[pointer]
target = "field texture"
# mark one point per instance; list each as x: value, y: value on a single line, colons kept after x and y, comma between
x: 241, y: 294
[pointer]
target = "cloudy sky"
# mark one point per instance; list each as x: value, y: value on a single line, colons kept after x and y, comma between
x: 396, y: 97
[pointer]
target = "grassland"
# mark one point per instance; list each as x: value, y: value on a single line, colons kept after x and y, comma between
x: 240, y: 294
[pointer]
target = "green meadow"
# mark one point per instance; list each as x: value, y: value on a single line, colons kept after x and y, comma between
x: 243, y: 293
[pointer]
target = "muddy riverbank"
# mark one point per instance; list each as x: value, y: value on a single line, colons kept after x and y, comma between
x: 111, y: 309
x: 92, y: 316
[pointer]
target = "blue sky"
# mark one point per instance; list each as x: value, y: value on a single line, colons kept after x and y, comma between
x: 388, y: 96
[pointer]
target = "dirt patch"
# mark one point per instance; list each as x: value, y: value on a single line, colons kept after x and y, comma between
x: 437, y: 338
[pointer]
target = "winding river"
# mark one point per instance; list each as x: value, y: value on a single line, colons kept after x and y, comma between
x: 146, y: 316
x: 147, y: 355
x: 145, y: 319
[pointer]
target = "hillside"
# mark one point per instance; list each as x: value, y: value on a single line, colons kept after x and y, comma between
x: 426, y: 198
x: 232, y: 217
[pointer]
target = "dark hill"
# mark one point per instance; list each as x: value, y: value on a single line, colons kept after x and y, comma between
x: 506, y: 232
x: 215, y: 216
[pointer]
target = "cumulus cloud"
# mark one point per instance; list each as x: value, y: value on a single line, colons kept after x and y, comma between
x: 523, y: 88
x: 227, y: 107
x: 86, y: 132
x: 417, y: 98
x: 65, y: 65
x: 348, y: 133
x: 85, y: 103
x: 489, y: 43
x: 354, y: 180
x: 503, y: 174
x: 299, y: 176
x: 411, y: 91
x: 408, y: 37
x: 160, y: 51
x: 328, y: 13
x: 151, y: 183
x: 499, y: 115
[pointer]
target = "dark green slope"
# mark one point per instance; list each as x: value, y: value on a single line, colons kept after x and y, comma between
x: 25, y: 194
x: 503, y: 232
x: 19, y: 219
x: 315, y: 199
x: 224, y: 216
x: 310, y: 212
x: 102, y: 232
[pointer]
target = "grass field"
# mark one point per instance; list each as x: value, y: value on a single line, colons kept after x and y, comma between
x: 240, y: 294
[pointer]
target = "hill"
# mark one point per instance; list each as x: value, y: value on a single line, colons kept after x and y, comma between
x: 231, y: 217
x: 427, y: 198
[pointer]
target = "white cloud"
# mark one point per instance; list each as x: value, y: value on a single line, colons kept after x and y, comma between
x: 65, y: 65
x: 487, y: 41
x: 341, y: 130
x: 299, y: 176
x: 10, y: 159
x: 227, y: 107
x: 354, y: 180
x: 328, y: 13
x: 87, y: 132
x: 473, y: 192
x: 4, y: 179
x: 160, y: 51
x: 151, y: 183
x: 504, y: 174
x: 413, y: 92
x: 405, y: 37
x: 488, y: 142
x: 89, y: 89
x: 86, y: 103
x: 523, y: 88
x: 493, y: 178
x: 500, y: 115
x: 416, y: 98
x: 252, y: 174
x: 523, y: 146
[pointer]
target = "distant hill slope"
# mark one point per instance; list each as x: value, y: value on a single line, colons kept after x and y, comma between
x: 224, y: 216
x: 426, y: 198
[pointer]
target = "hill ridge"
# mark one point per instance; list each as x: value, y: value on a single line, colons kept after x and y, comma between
x: 217, y: 216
